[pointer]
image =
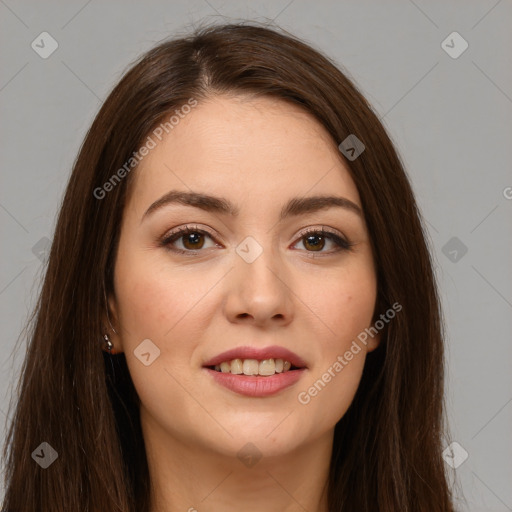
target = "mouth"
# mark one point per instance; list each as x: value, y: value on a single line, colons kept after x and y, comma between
x: 256, y: 372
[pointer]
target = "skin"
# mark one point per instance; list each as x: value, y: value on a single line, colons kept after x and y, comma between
x: 193, y: 307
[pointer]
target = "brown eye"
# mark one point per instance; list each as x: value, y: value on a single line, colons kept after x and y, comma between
x: 192, y: 239
x: 314, y: 241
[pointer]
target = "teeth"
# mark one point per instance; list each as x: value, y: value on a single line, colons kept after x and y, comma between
x: 237, y: 366
x: 266, y: 368
x: 250, y: 367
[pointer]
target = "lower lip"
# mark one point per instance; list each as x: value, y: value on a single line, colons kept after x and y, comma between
x: 257, y: 386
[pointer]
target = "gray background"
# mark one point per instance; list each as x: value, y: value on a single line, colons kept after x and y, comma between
x: 449, y: 117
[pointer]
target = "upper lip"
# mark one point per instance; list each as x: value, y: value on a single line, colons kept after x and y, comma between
x: 247, y: 352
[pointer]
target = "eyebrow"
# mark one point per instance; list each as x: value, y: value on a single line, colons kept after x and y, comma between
x: 295, y: 206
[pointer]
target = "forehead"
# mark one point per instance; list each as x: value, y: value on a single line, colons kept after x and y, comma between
x: 246, y: 148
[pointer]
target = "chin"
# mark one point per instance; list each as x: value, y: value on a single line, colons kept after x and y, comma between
x: 265, y: 439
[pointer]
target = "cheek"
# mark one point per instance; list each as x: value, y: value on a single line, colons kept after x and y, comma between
x: 165, y: 307
x: 346, y: 305
x: 348, y: 315
x: 330, y: 392
x: 154, y: 303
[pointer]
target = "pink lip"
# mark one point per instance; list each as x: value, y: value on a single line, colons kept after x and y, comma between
x: 256, y: 386
x: 273, y: 352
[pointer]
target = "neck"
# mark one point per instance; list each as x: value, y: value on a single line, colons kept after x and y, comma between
x: 191, y: 478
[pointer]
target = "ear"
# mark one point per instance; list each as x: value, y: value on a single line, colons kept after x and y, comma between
x: 378, y: 327
x: 111, y: 326
x: 373, y: 342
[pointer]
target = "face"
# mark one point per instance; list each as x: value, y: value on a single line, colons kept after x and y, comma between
x: 244, y: 282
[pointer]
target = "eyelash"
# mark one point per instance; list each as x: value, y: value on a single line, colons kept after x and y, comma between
x: 167, y: 240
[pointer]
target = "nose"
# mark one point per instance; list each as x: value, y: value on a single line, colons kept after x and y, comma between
x: 258, y: 292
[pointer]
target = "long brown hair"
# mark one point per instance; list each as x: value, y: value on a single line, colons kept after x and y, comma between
x: 387, y: 447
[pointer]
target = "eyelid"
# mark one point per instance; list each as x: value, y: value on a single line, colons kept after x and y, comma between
x: 165, y: 239
x: 322, y: 229
x: 185, y: 227
x: 342, y: 242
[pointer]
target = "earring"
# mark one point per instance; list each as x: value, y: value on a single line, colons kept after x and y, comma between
x: 108, y: 344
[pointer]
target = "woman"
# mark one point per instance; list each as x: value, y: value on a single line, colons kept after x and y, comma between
x: 239, y: 308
